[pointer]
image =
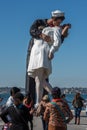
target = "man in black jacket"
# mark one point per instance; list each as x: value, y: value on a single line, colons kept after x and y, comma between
x: 18, y: 113
x: 36, y: 32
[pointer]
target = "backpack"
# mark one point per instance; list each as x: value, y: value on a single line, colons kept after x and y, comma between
x: 78, y: 103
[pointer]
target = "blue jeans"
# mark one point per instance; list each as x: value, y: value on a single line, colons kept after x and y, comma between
x: 77, y: 112
x: 44, y: 123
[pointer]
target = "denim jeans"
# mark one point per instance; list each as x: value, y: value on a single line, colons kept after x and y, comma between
x: 44, y: 123
x: 77, y: 112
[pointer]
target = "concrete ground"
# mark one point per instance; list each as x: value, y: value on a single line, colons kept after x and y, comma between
x: 71, y: 126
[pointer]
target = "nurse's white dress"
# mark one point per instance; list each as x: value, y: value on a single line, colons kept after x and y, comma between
x: 41, y: 49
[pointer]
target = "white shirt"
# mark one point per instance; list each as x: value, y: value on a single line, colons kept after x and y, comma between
x: 9, y: 101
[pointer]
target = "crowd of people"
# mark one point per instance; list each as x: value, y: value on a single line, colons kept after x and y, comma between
x: 19, y: 110
x: 54, y: 111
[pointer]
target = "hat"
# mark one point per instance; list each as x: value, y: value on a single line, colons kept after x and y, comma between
x: 57, y: 13
x: 45, y: 98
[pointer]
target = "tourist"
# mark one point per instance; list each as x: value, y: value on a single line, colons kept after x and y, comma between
x: 10, y: 100
x: 18, y: 112
x: 57, y: 112
x: 63, y: 96
x: 41, y: 109
x: 78, y: 104
x: 28, y: 102
x: 43, y: 52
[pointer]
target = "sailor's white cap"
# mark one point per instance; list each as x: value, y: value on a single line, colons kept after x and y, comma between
x: 57, y: 13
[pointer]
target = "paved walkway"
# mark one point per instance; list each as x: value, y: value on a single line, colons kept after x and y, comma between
x: 71, y: 126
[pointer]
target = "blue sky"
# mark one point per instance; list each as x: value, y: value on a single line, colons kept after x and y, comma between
x: 69, y: 63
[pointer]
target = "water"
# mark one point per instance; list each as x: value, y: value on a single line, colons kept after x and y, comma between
x: 69, y: 98
x: 5, y: 97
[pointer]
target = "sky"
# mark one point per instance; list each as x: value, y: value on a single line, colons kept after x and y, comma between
x: 70, y: 61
